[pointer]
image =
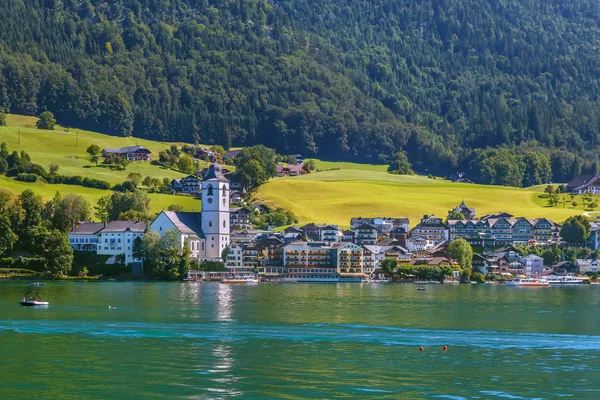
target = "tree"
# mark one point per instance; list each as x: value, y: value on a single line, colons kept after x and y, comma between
x: 388, y: 265
x: 54, y: 246
x: 94, y: 152
x: 218, y: 149
x: 549, y: 189
x: 46, y: 121
x: 32, y: 206
x: 175, y: 207
x: 58, y: 253
x: 455, y: 216
x: 400, y: 164
x: 576, y: 229
x: 147, y: 182
x: 310, y: 164
x: 461, y: 251
x: 255, y: 165
x: 574, y: 204
x: 102, y: 209
x: 186, y: 164
x: 135, y: 178
x: 2, y: 117
x: 54, y: 169
x: 70, y: 209
x: 224, y: 254
x: 7, y: 236
x: 123, y: 162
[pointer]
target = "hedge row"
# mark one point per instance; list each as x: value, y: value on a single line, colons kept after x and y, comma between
x: 37, y: 264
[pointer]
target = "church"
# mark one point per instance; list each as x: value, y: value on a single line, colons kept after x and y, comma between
x: 206, y: 233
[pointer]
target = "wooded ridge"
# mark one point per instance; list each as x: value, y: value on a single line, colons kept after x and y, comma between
x: 343, y: 79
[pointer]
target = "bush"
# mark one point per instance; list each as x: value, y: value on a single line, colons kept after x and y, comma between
x: 478, y: 277
x: 96, y: 183
x: 46, y: 121
x: 74, y: 180
x: 24, y: 177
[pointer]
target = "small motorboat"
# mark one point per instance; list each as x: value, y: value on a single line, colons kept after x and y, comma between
x: 421, y: 289
x: 241, y: 280
x: 33, y: 299
x: 37, y: 284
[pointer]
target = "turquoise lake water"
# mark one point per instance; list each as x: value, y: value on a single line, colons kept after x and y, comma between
x: 294, y: 341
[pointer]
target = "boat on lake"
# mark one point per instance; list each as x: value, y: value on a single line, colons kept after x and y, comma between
x: 528, y: 282
x: 33, y: 299
x: 565, y: 280
x: 241, y: 280
x: 36, y: 284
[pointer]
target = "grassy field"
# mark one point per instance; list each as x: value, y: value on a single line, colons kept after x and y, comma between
x: 337, y: 196
x: 328, y: 165
x: 58, y: 147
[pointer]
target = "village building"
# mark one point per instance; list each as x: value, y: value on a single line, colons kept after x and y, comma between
x: 365, y: 234
x: 348, y: 236
x: 330, y: 233
x: 312, y: 231
x: 291, y: 170
x: 532, y: 265
x: 189, y: 185
x: 504, y: 231
x: 384, y: 225
x: 595, y: 236
x: 239, y: 218
x: 432, y: 229
x: 132, y: 153
x: 236, y: 197
x: 242, y: 259
x: 207, y: 233
x: 584, y: 184
x: 468, y: 213
x: 588, y: 266
x: 115, y: 238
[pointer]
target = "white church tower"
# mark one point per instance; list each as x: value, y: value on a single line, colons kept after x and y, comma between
x: 215, y: 211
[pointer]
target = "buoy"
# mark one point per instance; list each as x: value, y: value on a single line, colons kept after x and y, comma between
x: 445, y: 348
x: 421, y: 349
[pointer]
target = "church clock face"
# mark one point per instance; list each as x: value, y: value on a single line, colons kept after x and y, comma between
x: 209, y: 201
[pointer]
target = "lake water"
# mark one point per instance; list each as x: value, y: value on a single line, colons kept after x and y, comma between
x: 293, y: 341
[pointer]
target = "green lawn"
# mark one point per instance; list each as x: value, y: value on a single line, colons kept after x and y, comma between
x: 58, y: 147
x: 337, y: 196
x: 328, y: 165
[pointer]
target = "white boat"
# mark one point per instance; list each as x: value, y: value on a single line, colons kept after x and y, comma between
x: 33, y: 299
x: 528, y: 282
x: 565, y: 280
x: 241, y: 280
x: 36, y: 284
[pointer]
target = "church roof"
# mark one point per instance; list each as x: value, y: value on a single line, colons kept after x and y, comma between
x: 215, y: 172
x: 188, y: 223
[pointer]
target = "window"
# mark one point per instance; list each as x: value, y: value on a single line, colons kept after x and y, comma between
x: 209, y: 223
x: 224, y: 201
x: 210, y: 190
x: 202, y: 245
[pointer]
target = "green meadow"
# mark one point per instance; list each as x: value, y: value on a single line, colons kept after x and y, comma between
x: 336, y: 196
x: 67, y: 149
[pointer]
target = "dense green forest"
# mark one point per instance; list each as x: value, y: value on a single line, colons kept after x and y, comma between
x: 341, y: 79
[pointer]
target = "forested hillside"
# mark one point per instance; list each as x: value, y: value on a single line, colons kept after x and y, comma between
x: 345, y: 79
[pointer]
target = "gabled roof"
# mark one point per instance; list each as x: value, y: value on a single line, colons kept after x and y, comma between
x: 582, y: 181
x: 123, y: 226
x: 126, y: 150
x: 88, y: 228
x: 232, y: 153
x: 215, y: 173
x: 186, y: 222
